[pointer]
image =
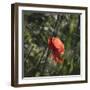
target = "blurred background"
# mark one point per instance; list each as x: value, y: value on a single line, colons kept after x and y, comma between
x: 37, y: 27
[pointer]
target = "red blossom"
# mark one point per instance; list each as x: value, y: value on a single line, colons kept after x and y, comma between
x: 57, y: 47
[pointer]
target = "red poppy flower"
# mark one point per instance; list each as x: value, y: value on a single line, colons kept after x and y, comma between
x: 57, y: 47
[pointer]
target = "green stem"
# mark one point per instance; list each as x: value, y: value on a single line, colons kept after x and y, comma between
x: 29, y: 52
x: 44, y: 66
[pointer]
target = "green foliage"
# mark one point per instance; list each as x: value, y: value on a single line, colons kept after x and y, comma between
x: 37, y: 27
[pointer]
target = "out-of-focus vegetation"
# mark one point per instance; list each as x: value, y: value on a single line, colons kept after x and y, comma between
x: 37, y: 27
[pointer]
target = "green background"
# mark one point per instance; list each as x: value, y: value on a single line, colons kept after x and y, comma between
x: 37, y: 27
